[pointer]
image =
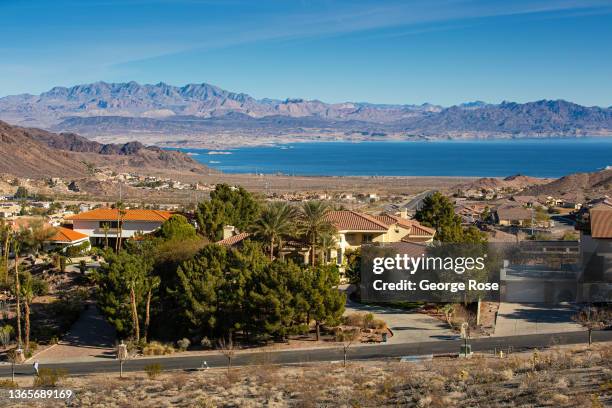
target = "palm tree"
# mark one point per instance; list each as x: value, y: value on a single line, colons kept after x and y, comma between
x: 28, y: 295
x: 121, y: 212
x: 152, y: 283
x: 105, y: 228
x: 5, y: 235
x: 275, y: 223
x: 314, y: 222
x: 326, y: 243
x: 16, y: 247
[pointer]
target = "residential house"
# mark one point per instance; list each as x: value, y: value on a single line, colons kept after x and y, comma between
x: 596, y: 253
x: 572, y: 200
x: 526, y: 201
x: 64, y: 238
x: 356, y: 228
x: 107, y: 223
x: 513, y: 215
x: 9, y: 209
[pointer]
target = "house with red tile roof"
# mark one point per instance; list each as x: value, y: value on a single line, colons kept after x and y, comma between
x: 357, y: 228
x: 106, y: 223
x: 65, y: 237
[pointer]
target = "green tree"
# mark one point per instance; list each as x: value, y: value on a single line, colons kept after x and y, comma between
x: 27, y: 293
x: 122, y: 283
x: 198, y: 288
x: 326, y: 302
x: 21, y: 193
x: 439, y: 212
x: 353, y: 265
x: 228, y: 205
x: 5, y: 239
x: 276, y: 222
x: 177, y: 227
x: 313, y: 222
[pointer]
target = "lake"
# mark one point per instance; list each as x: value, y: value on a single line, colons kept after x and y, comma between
x: 495, y: 158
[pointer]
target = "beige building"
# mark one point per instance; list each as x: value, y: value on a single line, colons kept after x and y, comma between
x: 356, y: 228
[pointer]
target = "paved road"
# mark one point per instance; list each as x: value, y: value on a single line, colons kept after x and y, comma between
x: 378, y: 352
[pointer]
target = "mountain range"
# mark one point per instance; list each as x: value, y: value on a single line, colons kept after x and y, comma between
x: 107, y: 109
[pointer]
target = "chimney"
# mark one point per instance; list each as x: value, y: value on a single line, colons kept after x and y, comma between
x: 404, y: 213
x: 229, y: 231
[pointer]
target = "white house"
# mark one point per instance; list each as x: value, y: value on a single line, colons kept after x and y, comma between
x: 106, y: 223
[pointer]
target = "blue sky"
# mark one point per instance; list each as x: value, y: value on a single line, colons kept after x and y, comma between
x: 404, y: 51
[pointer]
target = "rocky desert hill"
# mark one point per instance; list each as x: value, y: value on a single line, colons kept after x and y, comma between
x: 590, y: 184
x: 28, y: 152
x: 515, y: 182
x: 21, y: 155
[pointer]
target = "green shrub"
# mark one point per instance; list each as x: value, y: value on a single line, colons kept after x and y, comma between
x: 153, y: 370
x: 40, y: 287
x: 49, y: 377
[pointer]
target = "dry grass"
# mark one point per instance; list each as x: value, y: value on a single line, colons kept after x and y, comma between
x: 561, y: 377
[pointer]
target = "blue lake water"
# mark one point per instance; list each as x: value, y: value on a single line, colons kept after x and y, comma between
x: 533, y: 157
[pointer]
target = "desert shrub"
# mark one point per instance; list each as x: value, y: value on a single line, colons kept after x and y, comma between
x: 49, y: 377
x: 40, y: 287
x: 153, y: 370
x: 155, y: 348
x: 506, y: 375
x: 354, y: 319
x: 206, y: 343
x: 183, y: 344
x: 377, y: 324
x: 8, y: 384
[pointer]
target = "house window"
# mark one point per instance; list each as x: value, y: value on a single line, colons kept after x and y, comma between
x: 109, y: 224
x: 367, y: 238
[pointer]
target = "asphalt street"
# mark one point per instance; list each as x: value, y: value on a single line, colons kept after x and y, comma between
x: 370, y: 352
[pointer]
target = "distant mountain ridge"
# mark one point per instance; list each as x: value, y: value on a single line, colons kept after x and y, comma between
x: 116, y: 108
x: 31, y: 152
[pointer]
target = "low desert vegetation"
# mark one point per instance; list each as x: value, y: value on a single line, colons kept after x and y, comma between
x: 558, y: 377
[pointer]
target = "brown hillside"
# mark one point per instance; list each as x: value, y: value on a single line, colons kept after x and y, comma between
x: 36, y: 153
x: 22, y: 156
x: 594, y: 184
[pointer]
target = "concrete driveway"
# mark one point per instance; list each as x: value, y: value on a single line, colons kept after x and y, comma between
x: 407, y: 327
x: 91, y: 337
x: 521, y: 318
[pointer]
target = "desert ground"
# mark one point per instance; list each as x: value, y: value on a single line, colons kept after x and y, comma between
x: 575, y: 376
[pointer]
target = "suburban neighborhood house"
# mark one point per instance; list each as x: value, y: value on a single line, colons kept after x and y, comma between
x: 65, y: 237
x: 596, y: 253
x: 352, y: 229
x: 106, y: 223
x: 355, y: 228
x: 513, y: 215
